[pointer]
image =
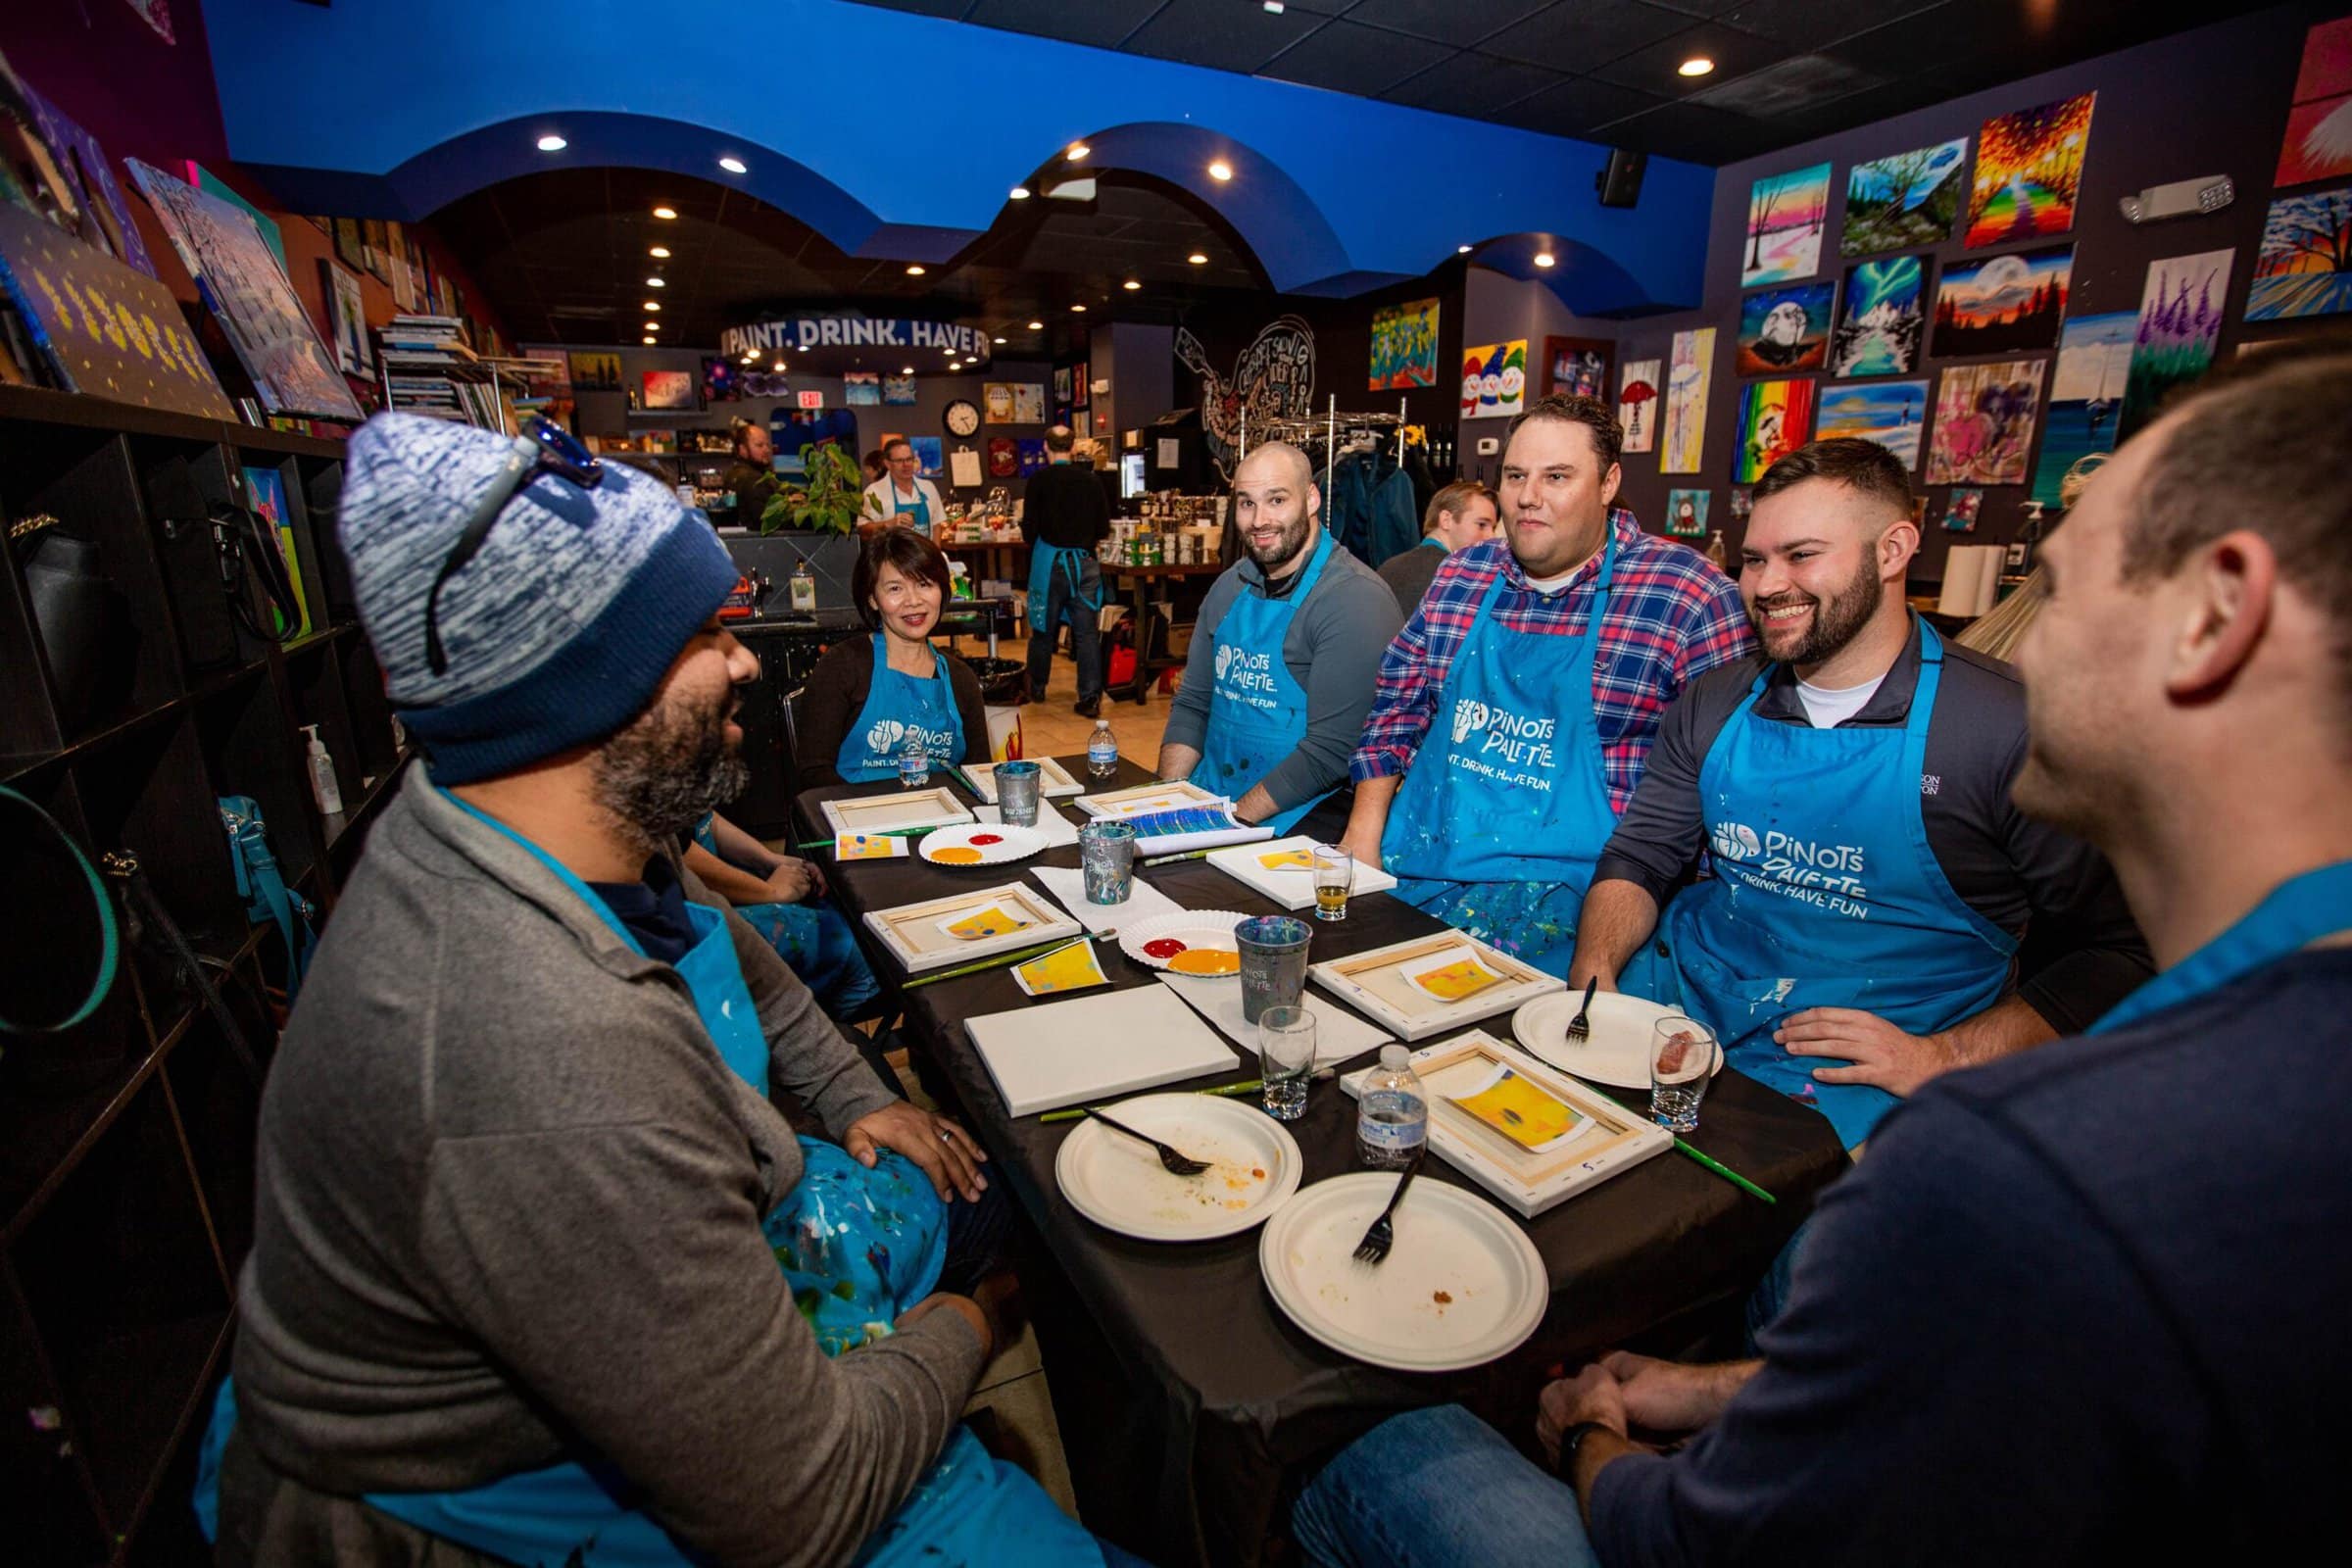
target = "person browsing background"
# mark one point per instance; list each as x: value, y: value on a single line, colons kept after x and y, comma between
x: 902, y: 497
x: 1873, y: 880
x: 1065, y: 516
x: 868, y: 692
x: 1516, y: 708
x: 1280, y: 670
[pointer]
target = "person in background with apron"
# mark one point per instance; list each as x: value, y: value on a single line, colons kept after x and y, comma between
x: 1065, y: 517
x: 902, y: 497
x: 1872, y: 878
x: 1461, y: 515
x: 539, y: 1273
x: 871, y: 697
x: 1515, y: 710
x: 1280, y: 670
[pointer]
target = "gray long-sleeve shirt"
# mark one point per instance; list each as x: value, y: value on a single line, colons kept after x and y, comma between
x: 1332, y: 650
x: 508, y: 1205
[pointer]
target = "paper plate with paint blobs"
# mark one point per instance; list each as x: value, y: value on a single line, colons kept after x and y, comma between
x: 971, y: 844
x: 1190, y: 942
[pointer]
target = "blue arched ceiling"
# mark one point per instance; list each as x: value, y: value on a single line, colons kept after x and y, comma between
x: 899, y: 136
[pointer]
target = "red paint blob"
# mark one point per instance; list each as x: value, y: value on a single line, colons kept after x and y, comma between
x: 1164, y: 948
x: 986, y: 838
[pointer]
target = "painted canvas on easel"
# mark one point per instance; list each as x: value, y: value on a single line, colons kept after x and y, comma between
x: 2086, y: 393
x: 1690, y: 367
x: 1908, y: 199
x: 2180, y: 325
x: 2305, y: 268
x: 1786, y: 215
x: 2319, y: 128
x: 2029, y: 173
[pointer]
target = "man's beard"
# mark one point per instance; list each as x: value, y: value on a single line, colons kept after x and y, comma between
x: 1286, y: 548
x: 1836, y: 621
x: 658, y: 776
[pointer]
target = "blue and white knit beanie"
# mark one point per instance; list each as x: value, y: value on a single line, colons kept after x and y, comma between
x: 561, y: 628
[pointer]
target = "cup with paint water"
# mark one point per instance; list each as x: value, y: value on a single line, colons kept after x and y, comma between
x: 1273, y: 949
x: 1683, y: 1056
x: 1106, y: 854
x: 1016, y: 793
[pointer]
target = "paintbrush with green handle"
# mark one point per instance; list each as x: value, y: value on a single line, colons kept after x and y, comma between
x: 875, y: 833
x: 1003, y: 960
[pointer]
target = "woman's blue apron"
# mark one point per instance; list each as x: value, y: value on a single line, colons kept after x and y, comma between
x: 2296, y: 914
x: 856, y: 1248
x: 1504, y: 812
x: 894, y: 702
x: 916, y: 516
x: 1256, y: 713
x: 1827, y: 894
x: 814, y: 938
x: 1046, y: 562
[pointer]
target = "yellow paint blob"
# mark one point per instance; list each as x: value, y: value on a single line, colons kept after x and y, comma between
x: 957, y: 855
x: 1205, y: 960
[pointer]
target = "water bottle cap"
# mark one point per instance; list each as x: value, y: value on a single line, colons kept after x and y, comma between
x: 1395, y: 1056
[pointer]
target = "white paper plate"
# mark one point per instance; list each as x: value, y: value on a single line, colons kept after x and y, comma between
x: 1618, y: 1051
x: 995, y: 843
x: 1463, y: 1285
x: 1121, y: 1184
x: 1194, y: 928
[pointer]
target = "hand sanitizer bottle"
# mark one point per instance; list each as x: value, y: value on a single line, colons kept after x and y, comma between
x: 323, y: 788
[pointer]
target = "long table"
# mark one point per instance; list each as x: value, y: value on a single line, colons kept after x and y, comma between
x: 1189, y: 1408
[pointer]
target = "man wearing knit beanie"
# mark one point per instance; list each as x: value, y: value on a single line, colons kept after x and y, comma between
x: 523, y: 1195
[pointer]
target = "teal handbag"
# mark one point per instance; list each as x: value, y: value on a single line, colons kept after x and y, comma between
x: 264, y: 890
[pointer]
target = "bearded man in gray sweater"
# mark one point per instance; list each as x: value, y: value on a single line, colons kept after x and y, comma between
x: 539, y: 1273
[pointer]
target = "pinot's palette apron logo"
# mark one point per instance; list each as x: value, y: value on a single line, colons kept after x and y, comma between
x: 1826, y: 876
x: 886, y: 735
x: 1507, y: 742
x: 1245, y: 676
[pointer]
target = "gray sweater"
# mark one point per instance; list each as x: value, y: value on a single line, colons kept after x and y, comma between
x: 509, y: 1208
x: 1332, y: 650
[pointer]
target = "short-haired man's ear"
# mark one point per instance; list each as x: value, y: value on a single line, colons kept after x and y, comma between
x: 2231, y: 586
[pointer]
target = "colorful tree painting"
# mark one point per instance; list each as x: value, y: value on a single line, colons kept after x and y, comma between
x: 1786, y: 215
x: 2180, y: 324
x: 2029, y: 170
x: 1908, y: 199
x: 2305, y: 268
x: 2319, y: 128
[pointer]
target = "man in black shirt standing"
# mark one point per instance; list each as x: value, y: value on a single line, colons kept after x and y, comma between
x: 752, y: 475
x: 1063, y: 518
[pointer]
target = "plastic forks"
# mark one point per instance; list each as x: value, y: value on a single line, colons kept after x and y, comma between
x: 1580, y: 1029
x: 1176, y: 1164
x: 1380, y: 1236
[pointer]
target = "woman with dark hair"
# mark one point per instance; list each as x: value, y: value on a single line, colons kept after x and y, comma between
x: 868, y: 693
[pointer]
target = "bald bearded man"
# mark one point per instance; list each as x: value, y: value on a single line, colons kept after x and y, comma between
x: 1281, y: 669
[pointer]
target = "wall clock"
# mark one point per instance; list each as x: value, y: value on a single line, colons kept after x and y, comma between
x: 963, y: 419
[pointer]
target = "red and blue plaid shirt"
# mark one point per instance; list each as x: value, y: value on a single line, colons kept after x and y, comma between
x: 1672, y: 616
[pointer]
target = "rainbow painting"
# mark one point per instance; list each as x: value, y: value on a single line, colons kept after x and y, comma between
x: 1776, y: 417
x: 2029, y: 170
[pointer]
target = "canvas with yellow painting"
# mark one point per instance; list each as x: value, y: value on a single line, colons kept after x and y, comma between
x: 1525, y: 1114
x: 1073, y: 966
x: 989, y: 921
x: 1451, y: 976
x: 1293, y: 859
x: 868, y: 846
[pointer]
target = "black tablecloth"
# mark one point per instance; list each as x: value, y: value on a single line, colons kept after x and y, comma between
x: 1189, y: 1404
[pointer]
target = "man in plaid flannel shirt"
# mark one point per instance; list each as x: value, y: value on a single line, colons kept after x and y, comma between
x: 1543, y: 659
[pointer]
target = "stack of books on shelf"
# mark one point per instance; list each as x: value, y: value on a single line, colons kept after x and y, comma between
x: 429, y: 369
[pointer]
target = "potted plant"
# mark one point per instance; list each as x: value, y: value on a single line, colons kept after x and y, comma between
x: 830, y: 502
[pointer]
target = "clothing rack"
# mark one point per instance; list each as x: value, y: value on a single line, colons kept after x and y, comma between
x: 1309, y: 430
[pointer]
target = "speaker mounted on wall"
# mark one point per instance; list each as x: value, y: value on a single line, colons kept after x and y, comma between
x: 1620, y: 184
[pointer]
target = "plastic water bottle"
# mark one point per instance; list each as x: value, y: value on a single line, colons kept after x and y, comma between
x: 1101, y: 751
x: 1392, y: 1115
x: 914, y: 760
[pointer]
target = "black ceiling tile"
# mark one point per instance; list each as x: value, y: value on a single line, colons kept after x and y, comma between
x: 1920, y: 41
x: 1687, y: 130
x: 1809, y: 23
x: 1810, y: 85
x: 1654, y: 69
x: 1574, y: 107
x: 1347, y: 58
x: 1472, y: 84
x: 1579, y: 37
x: 1457, y: 21
x: 1101, y: 23
x: 1220, y: 34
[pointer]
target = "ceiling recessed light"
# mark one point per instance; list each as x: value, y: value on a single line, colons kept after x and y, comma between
x: 1019, y: 194
x: 906, y: 370
x: 1543, y: 258
x: 734, y: 166
x: 1036, y: 327
x: 552, y: 144
x: 649, y: 340
x: 1080, y: 309
x: 955, y: 364
x: 655, y: 282
x: 1131, y: 285
x: 1220, y: 170
x: 1461, y: 250
x: 1273, y: 8
x: 995, y: 340
x: 659, y: 253
x: 1078, y: 151
x: 652, y: 326
x: 1695, y: 66
x: 915, y: 269
x: 751, y: 358
x: 1198, y: 259
x: 652, y: 305
x: 666, y: 213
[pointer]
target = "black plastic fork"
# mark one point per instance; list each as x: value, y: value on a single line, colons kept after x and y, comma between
x: 1374, y: 1247
x: 1176, y: 1164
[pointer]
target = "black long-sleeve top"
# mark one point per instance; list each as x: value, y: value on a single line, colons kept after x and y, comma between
x: 835, y: 695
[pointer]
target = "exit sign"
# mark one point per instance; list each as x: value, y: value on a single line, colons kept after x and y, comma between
x: 810, y: 400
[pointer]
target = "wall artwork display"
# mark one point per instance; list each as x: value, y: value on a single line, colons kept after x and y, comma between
x: 1687, y: 511
x: 2094, y: 357
x: 1003, y: 456
x: 1578, y: 367
x: 2305, y: 268
x: 929, y: 459
x: 1033, y: 454
x: 1404, y: 345
x: 1960, y: 513
x: 84, y: 168
x: 1273, y: 379
x: 248, y: 292
x: 862, y: 389
x: 2029, y: 170
x: 1879, y: 330
x: 595, y: 372
x: 1028, y: 402
x: 2180, y: 324
x: 995, y: 402
x: 1494, y: 380
x: 63, y: 290
x: 1786, y: 213
x: 898, y: 391
x: 1638, y: 387
x: 1984, y: 423
x: 1782, y: 330
x: 1909, y: 199
x: 1776, y: 417
x: 720, y: 381
x: 346, y: 319
x: 351, y: 246
x: 668, y: 389
x: 1061, y: 386
x: 1743, y: 502
x: 1691, y: 366
x: 2006, y: 304
x: 1890, y: 412
x: 2319, y: 129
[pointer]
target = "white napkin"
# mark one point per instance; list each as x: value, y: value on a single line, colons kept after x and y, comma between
x: 1339, y: 1034
x: 1056, y: 827
x: 1068, y: 887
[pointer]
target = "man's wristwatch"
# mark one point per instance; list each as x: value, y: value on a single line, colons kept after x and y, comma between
x: 1572, y: 1440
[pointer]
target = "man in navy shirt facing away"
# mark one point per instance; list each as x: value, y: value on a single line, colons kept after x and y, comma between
x: 2083, y: 1304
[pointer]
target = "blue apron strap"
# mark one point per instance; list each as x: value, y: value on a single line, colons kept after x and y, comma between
x: 2295, y: 913
x: 561, y: 872
x: 1915, y: 759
